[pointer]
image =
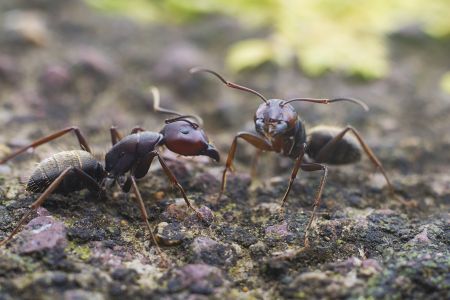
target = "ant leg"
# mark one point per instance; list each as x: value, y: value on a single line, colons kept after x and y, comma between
x: 81, y: 140
x: 115, y: 135
x: 255, y: 140
x: 175, y: 182
x: 298, y: 163
x: 326, y: 151
x: 36, y: 204
x: 137, y: 129
x: 311, y: 167
x: 145, y: 215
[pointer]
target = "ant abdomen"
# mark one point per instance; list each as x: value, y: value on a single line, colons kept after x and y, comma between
x: 49, y: 169
x: 344, y: 151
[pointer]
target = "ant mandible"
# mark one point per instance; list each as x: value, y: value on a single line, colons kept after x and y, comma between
x: 280, y: 129
x: 128, y: 159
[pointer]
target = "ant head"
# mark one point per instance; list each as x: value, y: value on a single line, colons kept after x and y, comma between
x: 275, y: 118
x: 183, y: 136
x: 187, y: 138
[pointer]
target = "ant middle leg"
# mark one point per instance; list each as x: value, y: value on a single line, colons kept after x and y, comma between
x: 144, y: 215
x: 81, y: 140
x: 90, y: 183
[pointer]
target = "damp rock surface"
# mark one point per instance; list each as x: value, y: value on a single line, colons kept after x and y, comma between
x: 71, y: 65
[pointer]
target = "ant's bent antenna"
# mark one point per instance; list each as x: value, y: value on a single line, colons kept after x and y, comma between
x: 228, y: 83
x: 327, y: 101
x: 157, y: 108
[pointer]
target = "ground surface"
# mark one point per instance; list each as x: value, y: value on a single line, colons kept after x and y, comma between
x: 82, y: 68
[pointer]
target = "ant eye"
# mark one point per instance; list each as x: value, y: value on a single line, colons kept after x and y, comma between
x: 184, y: 130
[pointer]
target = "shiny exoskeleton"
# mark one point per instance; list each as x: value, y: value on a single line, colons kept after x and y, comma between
x: 128, y: 159
x: 279, y: 129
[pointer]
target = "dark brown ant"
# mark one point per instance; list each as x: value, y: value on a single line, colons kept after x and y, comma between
x: 280, y: 129
x: 128, y: 159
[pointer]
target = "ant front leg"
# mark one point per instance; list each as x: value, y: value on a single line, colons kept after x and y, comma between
x: 311, y: 167
x: 298, y: 163
x: 81, y: 140
x: 90, y: 182
x: 255, y: 140
x: 175, y: 182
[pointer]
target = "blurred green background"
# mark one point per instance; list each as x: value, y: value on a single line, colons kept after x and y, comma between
x: 347, y: 36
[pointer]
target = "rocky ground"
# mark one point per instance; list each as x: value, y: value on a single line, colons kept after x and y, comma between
x: 70, y: 65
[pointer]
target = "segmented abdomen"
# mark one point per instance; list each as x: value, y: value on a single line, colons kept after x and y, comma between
x: 49, y: 169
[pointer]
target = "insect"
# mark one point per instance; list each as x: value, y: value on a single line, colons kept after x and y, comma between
x: 279, y: 129
x: 129, y: 159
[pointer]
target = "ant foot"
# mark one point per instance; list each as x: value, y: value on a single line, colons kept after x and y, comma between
x: 407, y: 203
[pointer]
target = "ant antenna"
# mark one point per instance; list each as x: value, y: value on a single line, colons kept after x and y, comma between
x: 182, y: 118
x: 157, y: 108
x: 328, y: 101
x: 228, y: 83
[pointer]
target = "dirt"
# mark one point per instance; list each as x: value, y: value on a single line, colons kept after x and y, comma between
x: 84, y: 68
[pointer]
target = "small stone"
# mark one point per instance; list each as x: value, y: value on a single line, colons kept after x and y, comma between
x: 280, y: 230
x: 370, y: 267
x: 258, y: 249
x: 54, y: 79
x: 198, y: 278
x: 169, y: 234
x: 177, y: 210
x: 43, y: 233
x: 26, y: 26
x: 90, y: 61
x: 82, y: 295
x: 9, y: 71
x: 270, y: 208
x: 159, y: 195
x: 421, y: 238
x: 205, y: 182
x: 209, y: 251
x: 207, y: 214
x: 125, y: 275
x: 376, y: 181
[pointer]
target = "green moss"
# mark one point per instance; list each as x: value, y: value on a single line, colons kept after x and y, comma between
x: 83, y: 252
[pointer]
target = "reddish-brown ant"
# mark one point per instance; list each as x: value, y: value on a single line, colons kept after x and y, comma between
x: 279, y: 129
x: 128, y: 159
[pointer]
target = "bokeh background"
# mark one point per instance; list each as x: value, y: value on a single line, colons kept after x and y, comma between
x: 91, y: 63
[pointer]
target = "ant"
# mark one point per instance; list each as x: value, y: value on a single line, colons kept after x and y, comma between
x: 128, y: 159
x: 279, y: 129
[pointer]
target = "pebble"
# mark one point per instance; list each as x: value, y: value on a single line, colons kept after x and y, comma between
x: 43, y: 233
x: 26, y: 26
x: 79, y: 294
x: 421, y: 238
x: 209, y: 251
x: 54, y: 79
x: 197, y: 278
x: 258, y: 249
x: 280, y: 230
x: 169, y: 234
